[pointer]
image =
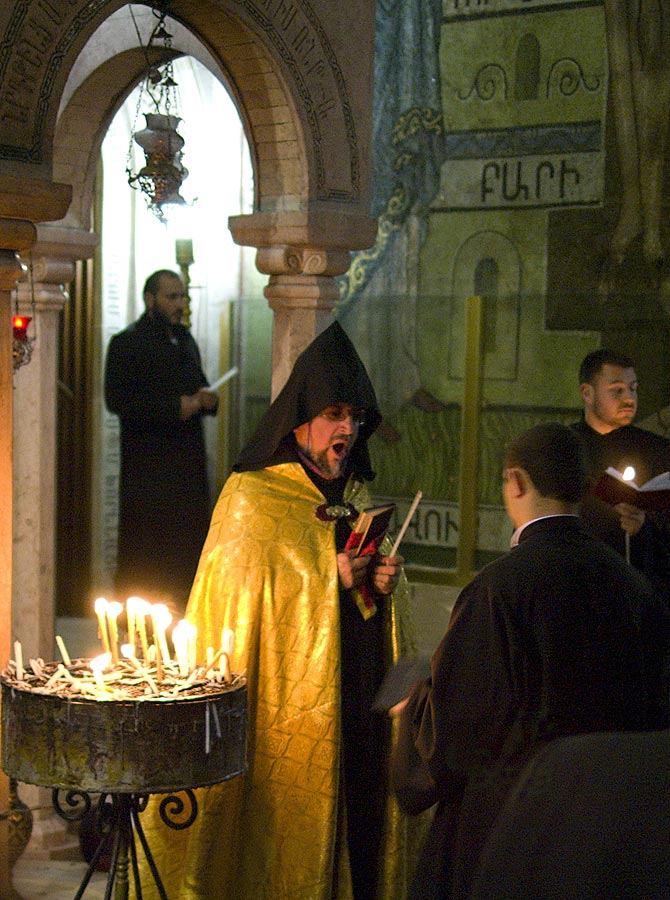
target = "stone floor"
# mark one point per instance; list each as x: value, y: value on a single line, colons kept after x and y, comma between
x: 52, y: 866
x: 55, y: 879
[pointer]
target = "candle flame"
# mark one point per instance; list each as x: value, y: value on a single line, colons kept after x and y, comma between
x: 127, y: 651
x: 100, y: 663
x: 101, y: 605
x: 114, y: 608
x: 628, y: 474
x: 161, y: 615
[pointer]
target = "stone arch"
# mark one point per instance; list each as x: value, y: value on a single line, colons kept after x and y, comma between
x: 280, y: 61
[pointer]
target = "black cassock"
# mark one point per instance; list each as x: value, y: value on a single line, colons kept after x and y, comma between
x: 164, y: 499
x: 649, y: 455
x: 558, y: 637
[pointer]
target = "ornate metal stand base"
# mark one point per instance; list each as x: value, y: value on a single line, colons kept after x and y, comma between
x: 118, y: 823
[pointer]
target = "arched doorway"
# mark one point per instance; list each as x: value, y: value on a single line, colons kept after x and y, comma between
x: 226, y: 303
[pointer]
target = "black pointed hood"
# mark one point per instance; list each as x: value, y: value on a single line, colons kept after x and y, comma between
x: 328, y: 371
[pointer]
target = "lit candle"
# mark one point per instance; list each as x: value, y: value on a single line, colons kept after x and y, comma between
x: 180, y: 641
x: 101, y: 612
x: 114, y: 609
x: 128, y: 652
x: 158, y: 661
x: 628, y: 475
x: 63, y: 650
x: 98, y: 665
x: 161, y: 617
x: 141, y: 610
x: 131, y: 613
x: 224, y: 667
x: 227, y: 640
x: 18, y: 659
x: 227, y: 646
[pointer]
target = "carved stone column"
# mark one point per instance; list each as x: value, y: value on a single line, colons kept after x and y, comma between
x: 52, y: 264
x: 302, y: 292
x: 302, y: 251
x: 14, y: 235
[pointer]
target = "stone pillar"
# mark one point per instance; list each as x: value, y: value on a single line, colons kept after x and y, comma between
x: 302, y: 292
x: 42, y: 296
x: 14, y: 235
x: 302, y: 251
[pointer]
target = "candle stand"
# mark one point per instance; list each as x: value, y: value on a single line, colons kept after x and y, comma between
x: 124, y: 751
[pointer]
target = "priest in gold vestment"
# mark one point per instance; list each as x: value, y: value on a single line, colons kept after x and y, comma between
x: 312, y: 818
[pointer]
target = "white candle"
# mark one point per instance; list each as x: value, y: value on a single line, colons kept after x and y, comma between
x: 628, y: 475
x: 141, y: 609
x: 114, y: 610
x: 408, y: 519
x: 180, y: 642
x: 227, y: 640
x: 98, y: 665
x: 101, y: 612
x: 18, y: 659
x: 63, y: 650
x: 128, y: 652
x: 131, y: 614
x: 227, y: 646
x: 161, y: 617
x: 224, y: 667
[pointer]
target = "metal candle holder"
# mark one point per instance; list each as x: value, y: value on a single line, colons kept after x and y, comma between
x: 124, y: 751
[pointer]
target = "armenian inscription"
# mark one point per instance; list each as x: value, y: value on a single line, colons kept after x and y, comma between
x: 299, y: 37
x: 526, y: 181
x: 36, y: 38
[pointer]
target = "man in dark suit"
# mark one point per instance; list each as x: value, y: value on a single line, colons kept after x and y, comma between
x: 560, y: 636
x: 155, y: 384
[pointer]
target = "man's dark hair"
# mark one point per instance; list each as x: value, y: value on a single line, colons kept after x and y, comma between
x: 153, y: 282
x: 593, y: 362
x: 552, y: 456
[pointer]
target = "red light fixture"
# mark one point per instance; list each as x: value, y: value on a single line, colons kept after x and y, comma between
x: 20, y: 325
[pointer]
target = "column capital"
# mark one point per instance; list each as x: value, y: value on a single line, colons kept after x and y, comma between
x: 294, y: 260
x: 11, y: 270
x: 52, y: 257
x: 329, y: 227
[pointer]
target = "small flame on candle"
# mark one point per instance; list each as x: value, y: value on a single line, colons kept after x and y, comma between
x: 98, y: 664
x: 628, y: 474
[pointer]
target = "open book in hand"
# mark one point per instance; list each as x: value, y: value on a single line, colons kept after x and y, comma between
x: 613, y: 488
x: 369, y: 529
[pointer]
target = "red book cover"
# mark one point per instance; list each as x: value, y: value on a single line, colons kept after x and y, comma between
x: 654, y: 494
x: 369, y: 529
x: 366, y: 536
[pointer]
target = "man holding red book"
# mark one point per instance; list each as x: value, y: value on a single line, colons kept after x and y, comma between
x: 608, y: 385
x: 312, y: 819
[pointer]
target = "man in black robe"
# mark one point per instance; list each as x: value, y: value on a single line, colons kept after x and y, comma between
x: 560, y: 636
x: 608, y: 385
x: 155, y: 384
